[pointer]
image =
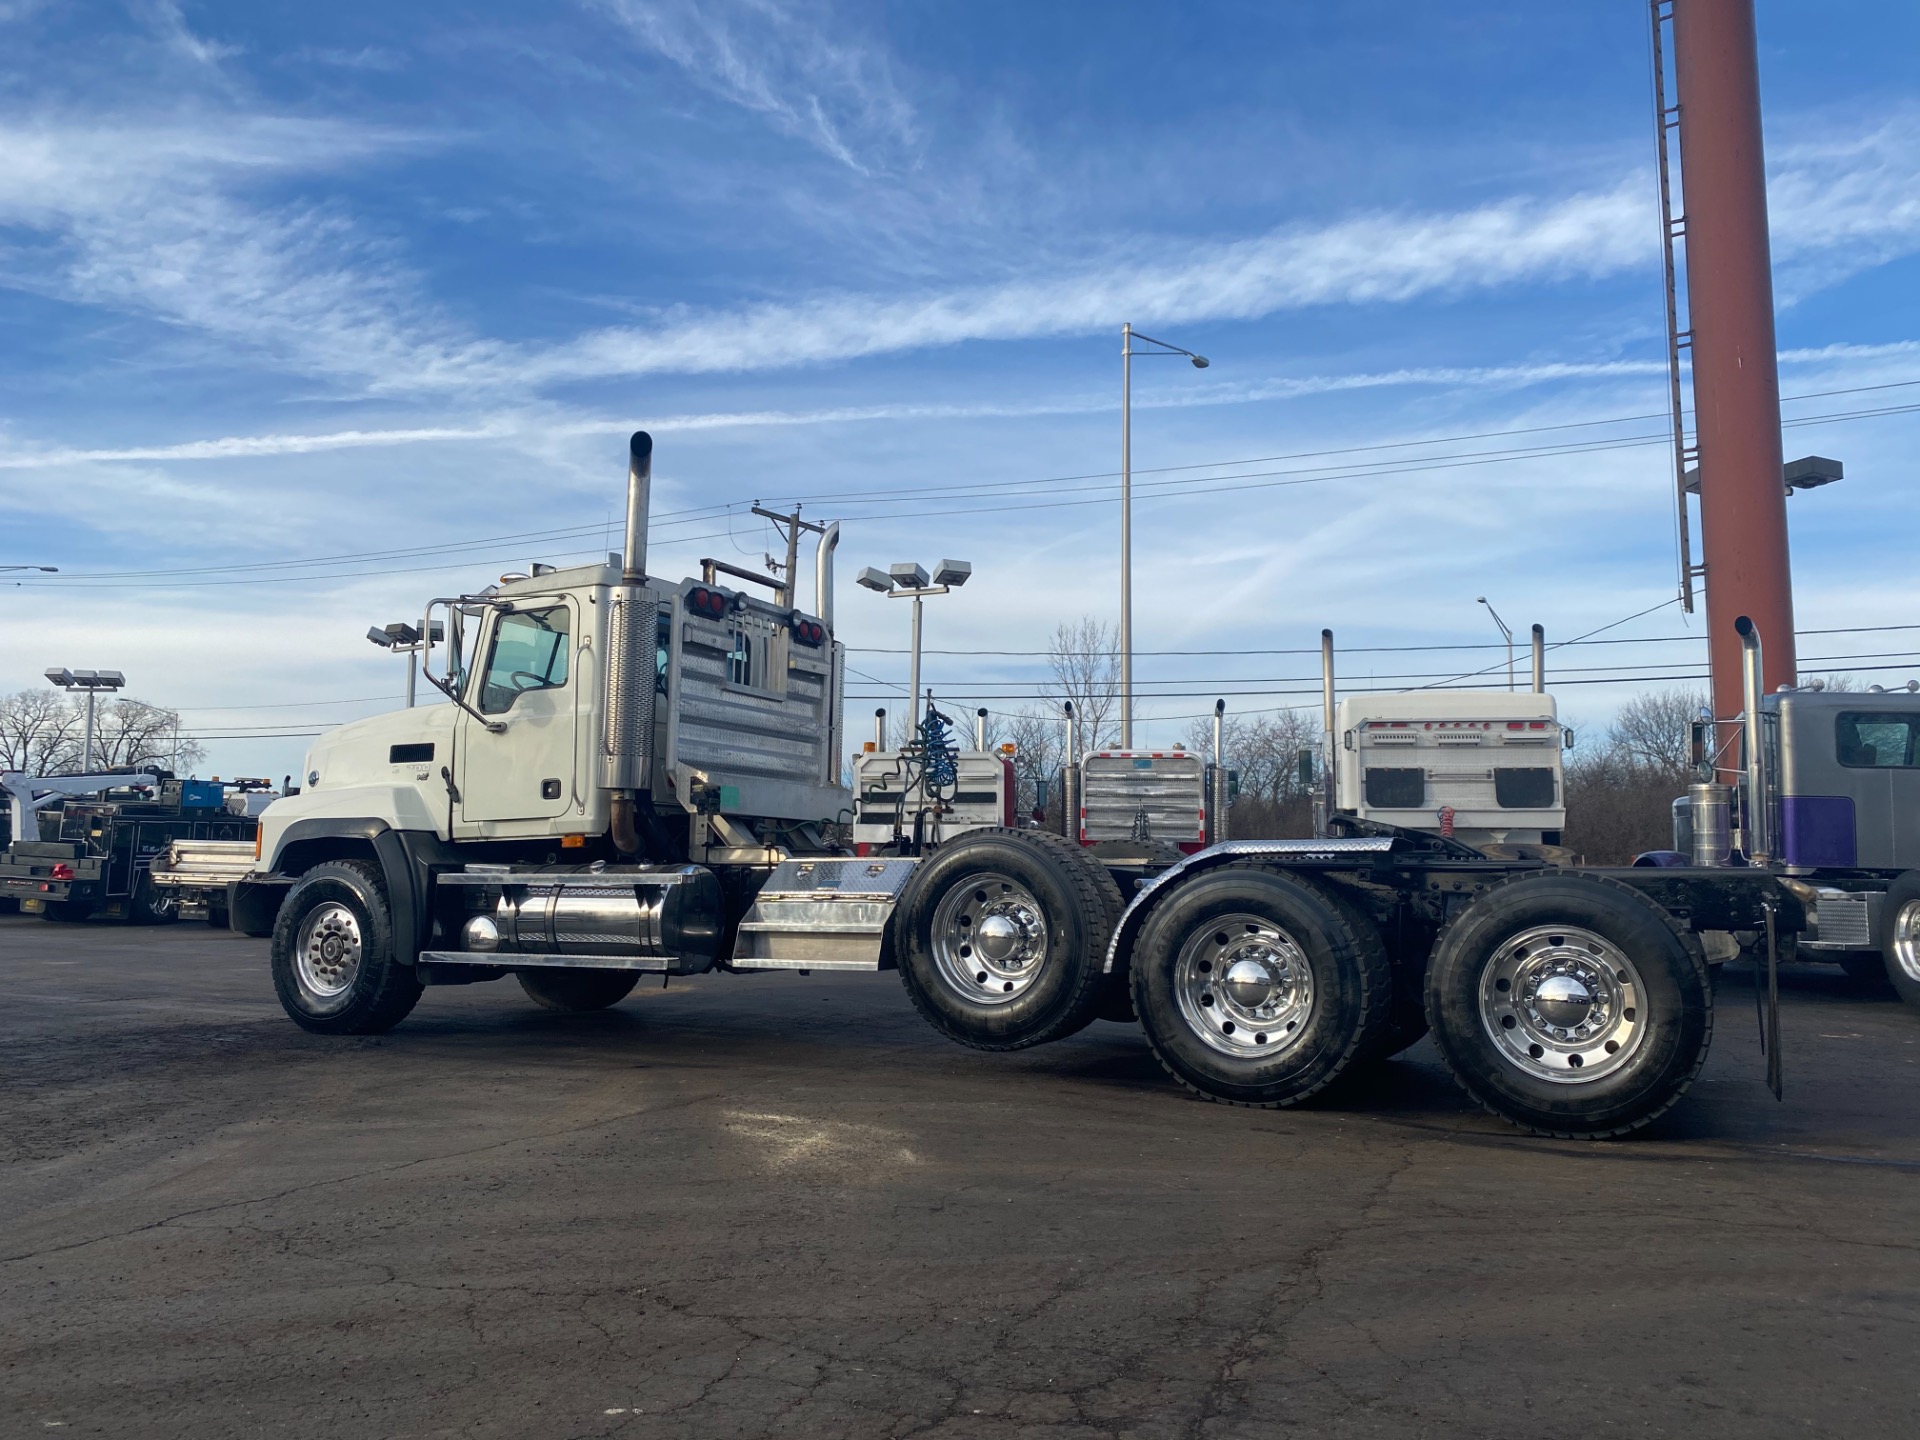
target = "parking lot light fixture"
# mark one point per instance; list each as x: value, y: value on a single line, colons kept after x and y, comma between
x: 909, y: 580
x: 92, y: 682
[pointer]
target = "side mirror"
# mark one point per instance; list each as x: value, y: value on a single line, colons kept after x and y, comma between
x: 1304, y: 762
x: 1566, y: 739
x: 1347, y: 739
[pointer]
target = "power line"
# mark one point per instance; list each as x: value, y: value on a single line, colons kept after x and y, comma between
x: 1214, y: 484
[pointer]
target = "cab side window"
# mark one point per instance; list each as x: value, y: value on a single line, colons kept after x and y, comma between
x: 1877, y: 742
x: 530, y: 651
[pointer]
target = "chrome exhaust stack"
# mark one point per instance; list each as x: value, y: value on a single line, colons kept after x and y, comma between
x: 823, y: 575
x: 1539, y: 659
x: 1323, y: 802
x: 1755, y: 822
x: 626, y: 751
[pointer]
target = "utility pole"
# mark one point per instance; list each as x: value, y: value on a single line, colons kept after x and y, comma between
x: 790, y: 526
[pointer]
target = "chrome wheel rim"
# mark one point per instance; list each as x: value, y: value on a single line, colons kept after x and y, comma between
x: 1906, y: 940
x: 990, y: 939
x: 1563, y: 1004
x: 328, y: 951
x: 1244, y: 987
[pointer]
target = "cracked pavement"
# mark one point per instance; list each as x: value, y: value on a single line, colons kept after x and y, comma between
x: 781, y: 1205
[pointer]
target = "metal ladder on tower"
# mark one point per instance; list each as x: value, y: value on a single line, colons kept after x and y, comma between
x: 1673, y: 230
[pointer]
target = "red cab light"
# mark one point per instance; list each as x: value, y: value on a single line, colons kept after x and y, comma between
x: 61, y: 871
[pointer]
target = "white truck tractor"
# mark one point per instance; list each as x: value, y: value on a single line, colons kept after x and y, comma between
x: 1480, y: 765
x: 634, y: 777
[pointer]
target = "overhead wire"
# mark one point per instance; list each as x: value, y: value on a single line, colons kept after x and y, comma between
x: 1210, y: 484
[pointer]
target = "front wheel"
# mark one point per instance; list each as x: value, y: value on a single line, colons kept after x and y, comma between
x: 1257, y: 988
x: 333, y: 957
x: 577, y: 990
x: 1570, y: 1005
x: 153, y: 904
x: 1900, y: 914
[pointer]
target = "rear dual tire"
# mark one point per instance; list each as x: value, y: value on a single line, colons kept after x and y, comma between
x: 1570, y: 1005
x: 576, y: 991
x: 1001, y: 938
x: 1258, y: 988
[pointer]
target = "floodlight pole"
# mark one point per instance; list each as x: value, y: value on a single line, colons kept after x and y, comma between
x: 1127, y: 336
x: 86, y: 752
x: 913, y: 679
x: 1126, y: 536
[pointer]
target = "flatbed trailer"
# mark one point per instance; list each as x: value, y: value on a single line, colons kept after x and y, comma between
x: 638, y: 778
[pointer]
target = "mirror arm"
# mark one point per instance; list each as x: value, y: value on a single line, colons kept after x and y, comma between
x: 494, y: 727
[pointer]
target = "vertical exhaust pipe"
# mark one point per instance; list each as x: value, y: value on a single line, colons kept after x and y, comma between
x: 980, y: 728
x: 1324, y: 801
x: 1754, y: 818
x: 626, y: 751
x: 639, y: 503
x: 1539, y: 660
x: 1070, y: 779
x: 1217, y: 796
x: 880, y: 729
x: 823, y: 574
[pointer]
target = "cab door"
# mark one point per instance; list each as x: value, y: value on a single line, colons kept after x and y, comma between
x: 524, y: 682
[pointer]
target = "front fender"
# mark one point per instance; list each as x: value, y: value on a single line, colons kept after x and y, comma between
x: 359, y: 810
x: 1306, y: 854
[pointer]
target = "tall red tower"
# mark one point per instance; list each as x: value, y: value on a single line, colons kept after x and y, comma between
x: 1736, y: 379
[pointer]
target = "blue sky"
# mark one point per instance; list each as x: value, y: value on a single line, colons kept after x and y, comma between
x: 287, y: 282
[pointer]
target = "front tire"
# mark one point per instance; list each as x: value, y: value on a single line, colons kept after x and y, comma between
x: 153, y: 904
x: 1001, y: 936
x: 575, y: 991
x: 1570, y: 1005
x: 1257, y: 988
x: 1900, y: 914
x: 334, y: 961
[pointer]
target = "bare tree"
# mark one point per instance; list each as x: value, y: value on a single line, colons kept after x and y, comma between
x: 1084, y: 656
x: 40, y: 732
x: 1039, y: 750
x: 1654, y: 731
x: 132, y: 732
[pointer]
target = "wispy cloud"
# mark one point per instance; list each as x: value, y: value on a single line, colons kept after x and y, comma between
x: 779, y: 61
x: 520, y: 426
x: 1842, y: 201
x: 1361, y: 260
x: 155, y: 220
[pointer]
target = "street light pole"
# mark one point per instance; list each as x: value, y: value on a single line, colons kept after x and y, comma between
x: 1127, y: 336
x: 1126, y: 536
x: 913, y: 678
x: 1504, y: 631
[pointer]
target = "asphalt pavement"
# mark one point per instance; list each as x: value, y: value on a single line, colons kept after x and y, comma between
x: 780, y: 1205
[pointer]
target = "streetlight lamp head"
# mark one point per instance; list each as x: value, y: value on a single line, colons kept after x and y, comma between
x: 876, y: 579
x: 401, y: 633
x: 1199, y: 361
x: 110, y: 680
x: 910, y: 575
x: 1479, y: 599
x: 379, y: 636
x: 61, y: 676
x: 952, y: 572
